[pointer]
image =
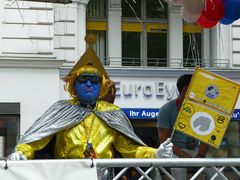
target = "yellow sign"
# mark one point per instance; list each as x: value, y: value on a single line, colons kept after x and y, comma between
x: 202, y: 122
x: 214, y: 91
x: 208, y: 106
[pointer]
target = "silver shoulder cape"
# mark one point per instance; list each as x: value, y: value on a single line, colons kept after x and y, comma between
x: 63, y: 115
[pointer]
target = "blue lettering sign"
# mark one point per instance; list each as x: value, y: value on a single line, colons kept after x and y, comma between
x: 152, y: 113
x: 140, y: 113
x: 236, y: 115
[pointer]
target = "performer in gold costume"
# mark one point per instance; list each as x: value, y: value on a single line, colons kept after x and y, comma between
x: 86, y: 127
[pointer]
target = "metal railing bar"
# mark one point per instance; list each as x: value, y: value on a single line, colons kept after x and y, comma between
x: 198, y: 173
x: 235, y: 170
x: 166, y: 62
x: 120, y: 173
x: 168, y: 162
x: 166, y: 173
x: 142, y: 173
x: 220, y: 173
x: 147, y: 172
x: 216, y: 164
x: 216, y: 174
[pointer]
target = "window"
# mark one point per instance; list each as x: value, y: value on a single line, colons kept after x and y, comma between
x: 96, y: 9
x: 9, y: 133
x: 9, y: 127
x: 192, y: 44
x: 97, y: 24
x: 157, y: 49
x: 131, y: 8
x: 157, y: 9
x: 191, y: 49
x: 131, y: 49
x: 144, y: 37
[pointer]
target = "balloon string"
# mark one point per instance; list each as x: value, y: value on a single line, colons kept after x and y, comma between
x: 161, y: 4
x: 135, y: 13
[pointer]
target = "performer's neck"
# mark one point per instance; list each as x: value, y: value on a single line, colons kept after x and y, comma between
x: 92, y: 106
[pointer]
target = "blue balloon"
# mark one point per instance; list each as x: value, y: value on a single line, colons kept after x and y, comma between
x: 226, y: 21
x: 231, y: 10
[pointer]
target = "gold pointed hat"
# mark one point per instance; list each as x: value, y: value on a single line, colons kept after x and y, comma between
x: 89, y: 57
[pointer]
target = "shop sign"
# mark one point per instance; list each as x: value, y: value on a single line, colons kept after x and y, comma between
x: 236, y: 115
x: 140, y: 113
x: 152, y: 113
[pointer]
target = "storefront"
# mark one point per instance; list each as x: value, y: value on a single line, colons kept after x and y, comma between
x: 141, y: 93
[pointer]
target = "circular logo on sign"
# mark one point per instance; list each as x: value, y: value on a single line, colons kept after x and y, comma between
x: 202, y: 123
x: 221, y: 121
x: 212, y: 91
x: 182, y: 124
x: 187, y: 109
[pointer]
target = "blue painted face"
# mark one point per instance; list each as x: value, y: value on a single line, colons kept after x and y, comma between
x: 87, y: 88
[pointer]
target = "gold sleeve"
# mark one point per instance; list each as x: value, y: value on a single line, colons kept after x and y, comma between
x: 130, y: 149
x: 29, y: 149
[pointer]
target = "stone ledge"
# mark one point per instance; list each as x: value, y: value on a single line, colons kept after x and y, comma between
x: 30, y: 62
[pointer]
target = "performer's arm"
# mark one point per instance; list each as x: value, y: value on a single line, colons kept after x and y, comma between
x: 130, y: 149
x: 29, y: 149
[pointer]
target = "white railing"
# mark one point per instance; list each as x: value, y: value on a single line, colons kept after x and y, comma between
x: 224, y: 168
x: 165, y: 62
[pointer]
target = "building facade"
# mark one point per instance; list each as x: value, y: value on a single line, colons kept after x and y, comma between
x: 144, y: 45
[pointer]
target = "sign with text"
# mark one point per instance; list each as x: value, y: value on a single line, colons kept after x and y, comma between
x: 208, y: 106
x: 202, y: 123
x: 152, y: 113
x: 236, y: 115
x: 140, y: 113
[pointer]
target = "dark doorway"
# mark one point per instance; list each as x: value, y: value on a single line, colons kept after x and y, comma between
x: 9, y: 127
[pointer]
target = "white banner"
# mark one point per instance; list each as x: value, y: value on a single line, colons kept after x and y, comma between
x: 48, y: 170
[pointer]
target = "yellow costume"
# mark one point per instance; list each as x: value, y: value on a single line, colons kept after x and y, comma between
x: 71, y: 143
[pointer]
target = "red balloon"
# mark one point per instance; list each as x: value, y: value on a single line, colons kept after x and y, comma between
x: 213, y: 10
x: 206, y: 23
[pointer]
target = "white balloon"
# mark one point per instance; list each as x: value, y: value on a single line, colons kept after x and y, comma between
x: 193, y: 6
x: 188, y: 17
